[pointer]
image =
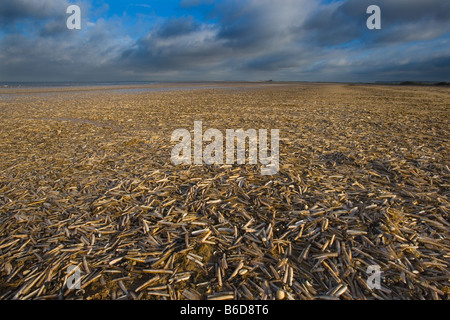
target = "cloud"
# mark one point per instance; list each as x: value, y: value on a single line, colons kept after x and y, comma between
x: 20, y: 9
x: 261, y: 23
x: 402, y: 21
x: 178, y: 27
x: 246, y: 39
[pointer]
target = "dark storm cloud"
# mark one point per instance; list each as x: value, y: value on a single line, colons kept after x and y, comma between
x: 176, y: 44
x: 402, y: 20
x: 247, y: 39
x: 245, y: 26
x: 256, y: 25
x: 33, y: 13
x: 20, y: 9
x: 429, y: 69
x: 48, y: 51
x: 178, y: 27
x: 332, y: 24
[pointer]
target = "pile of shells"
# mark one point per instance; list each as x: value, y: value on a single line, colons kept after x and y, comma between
x: 87, y: 186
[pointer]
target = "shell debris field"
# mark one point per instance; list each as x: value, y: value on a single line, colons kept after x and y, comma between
x: 86, y: 180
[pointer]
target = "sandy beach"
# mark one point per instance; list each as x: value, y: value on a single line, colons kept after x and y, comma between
x: 86, y: 180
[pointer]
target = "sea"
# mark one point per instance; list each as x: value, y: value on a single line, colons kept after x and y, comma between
x: 73, y: 84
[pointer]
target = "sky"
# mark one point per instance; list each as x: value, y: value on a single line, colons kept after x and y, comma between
x: 225, y: 40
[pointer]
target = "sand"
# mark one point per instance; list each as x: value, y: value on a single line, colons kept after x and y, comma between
x: 86, y: 180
